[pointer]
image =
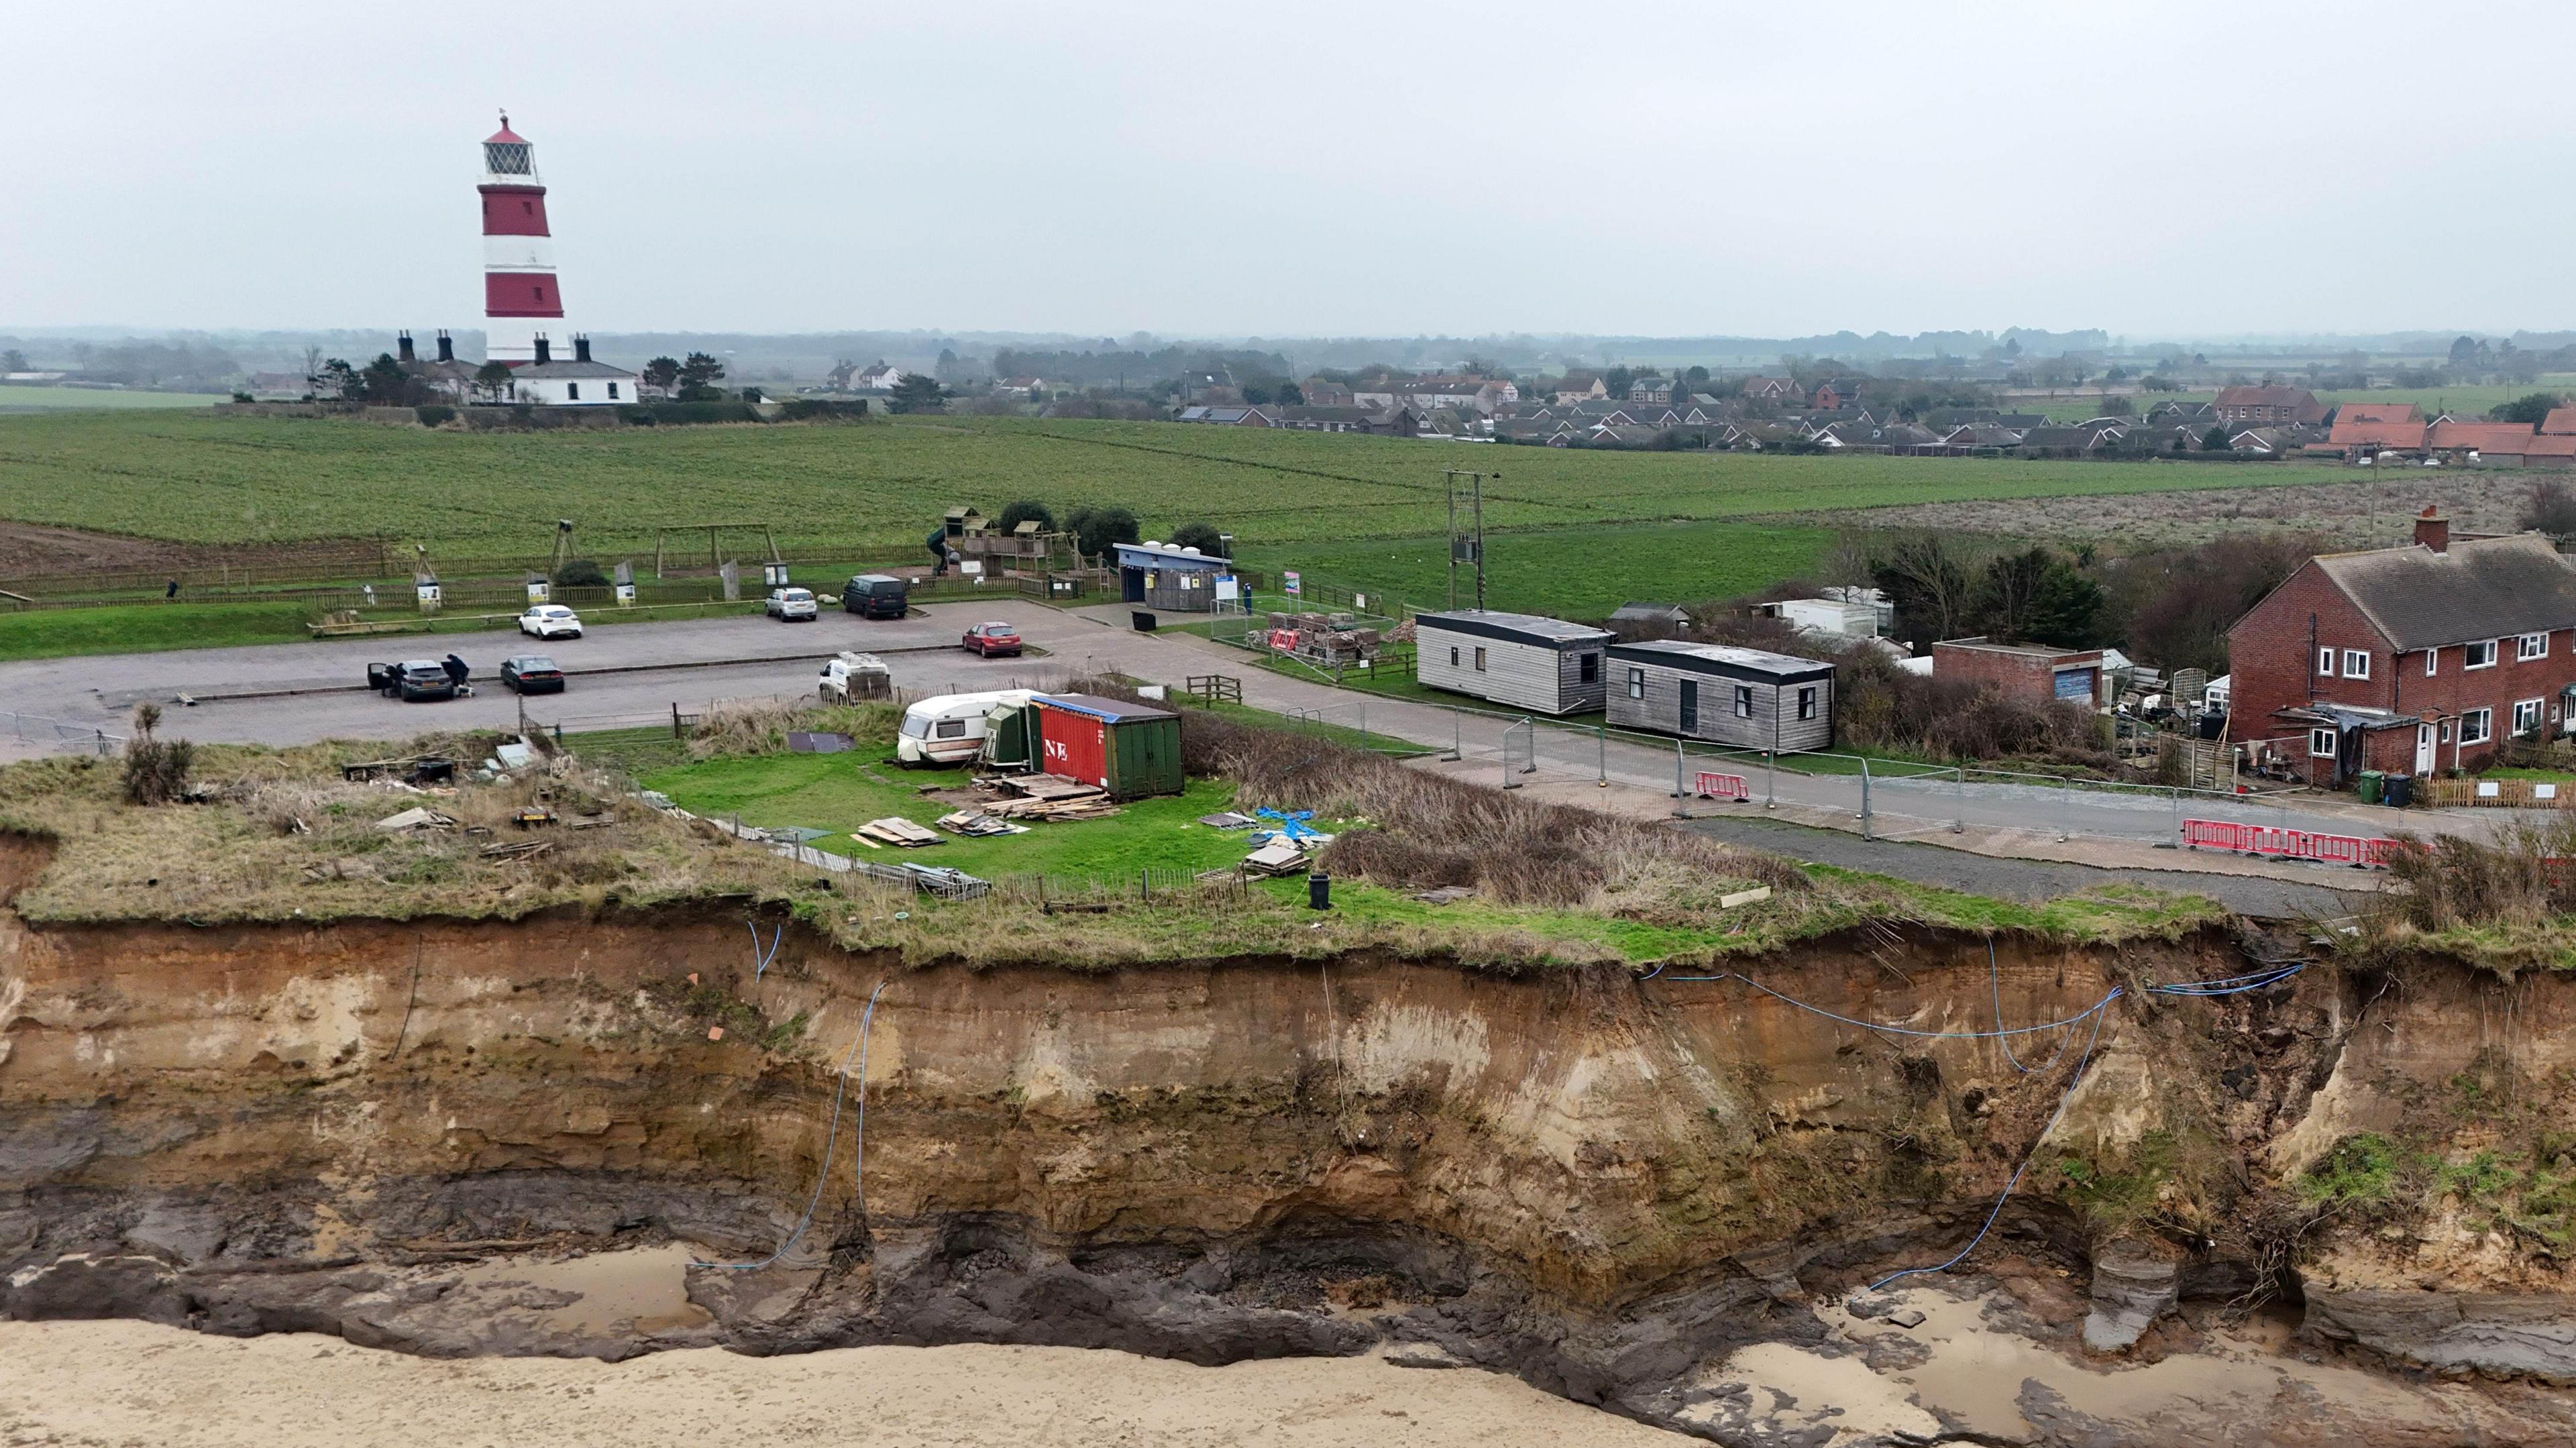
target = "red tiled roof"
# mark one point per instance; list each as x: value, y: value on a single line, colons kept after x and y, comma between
x: 2350, y: 431
x: 2507, y: 438
x: 2552, y: 445
x: 2378, y: 412
x: 2561, y: 420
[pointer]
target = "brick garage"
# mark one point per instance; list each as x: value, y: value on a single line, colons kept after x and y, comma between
x: 2033, y: 672
x: 2412, y: 660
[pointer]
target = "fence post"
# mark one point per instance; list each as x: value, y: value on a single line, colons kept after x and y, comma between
x: 1770, y: 775
x: 1364, y: 724
x: 675, y: 720
x: 1865, y: 821
x: 1457, y: 737
x: 1681, y: 784
x: 2065, y: 809
x: 1959, y: 806
x: 1601, y: 745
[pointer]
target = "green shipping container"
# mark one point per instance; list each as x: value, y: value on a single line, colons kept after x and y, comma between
x: 1129, y: 750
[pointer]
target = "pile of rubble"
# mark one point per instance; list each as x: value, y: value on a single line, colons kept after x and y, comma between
x: 1329, y: 639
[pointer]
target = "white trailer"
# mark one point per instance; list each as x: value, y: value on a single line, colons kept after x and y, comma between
x: 1544, y: 665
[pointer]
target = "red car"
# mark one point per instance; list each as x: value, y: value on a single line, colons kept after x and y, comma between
x: 994, y: 640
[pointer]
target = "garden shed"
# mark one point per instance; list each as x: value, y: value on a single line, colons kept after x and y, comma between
x: 1521, y: 659
x: 1162, y: 577
x: 1128, y: 750
x: 1749, y: 698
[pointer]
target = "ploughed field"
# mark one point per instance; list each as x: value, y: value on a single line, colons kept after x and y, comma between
x: 238, y: 480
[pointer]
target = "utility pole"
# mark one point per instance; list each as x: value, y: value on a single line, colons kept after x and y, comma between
x: 1473, y: 546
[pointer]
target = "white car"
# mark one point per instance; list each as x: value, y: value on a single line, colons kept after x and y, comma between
x: 790, y: 604
x: 550, y: 621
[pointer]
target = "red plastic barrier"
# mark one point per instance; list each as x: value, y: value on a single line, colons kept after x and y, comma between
x: 1723, y: 786
x: 2361, y: 852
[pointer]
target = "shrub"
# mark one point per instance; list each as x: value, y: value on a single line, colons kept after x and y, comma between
x: 434, y: 414
x: 1201, y: 536
x: 1097, y: 529
x: 581, y: 573
x: 1023, y: 511
x: 156, y: 769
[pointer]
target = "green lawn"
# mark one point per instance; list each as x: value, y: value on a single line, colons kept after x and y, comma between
x: 1567, y: 572
x: 839, y: 792
x: 19, y: 397
x: 880, y: 488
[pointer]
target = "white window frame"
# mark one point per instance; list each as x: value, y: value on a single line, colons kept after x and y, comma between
x: 2538, y: 707
x: 2527, y: 647
x: 2477, y: 726
x: 1636, y: 683
x: 2356, y: 663
x: 1480, y: 658
x: 2469, y: 655
x: 1744, y: 701
x: 2325, y: 661
x: 2321, y: 744
x: 2432, y: 662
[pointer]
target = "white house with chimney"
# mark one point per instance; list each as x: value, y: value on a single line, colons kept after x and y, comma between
x: 579, y: 382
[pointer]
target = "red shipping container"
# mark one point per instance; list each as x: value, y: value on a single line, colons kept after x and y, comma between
x: 1074, y: 745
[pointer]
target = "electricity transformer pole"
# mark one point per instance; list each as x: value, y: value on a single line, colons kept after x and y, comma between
x: 1471, y: 547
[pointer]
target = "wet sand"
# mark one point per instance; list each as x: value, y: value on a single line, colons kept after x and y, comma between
x: 133, y: 1383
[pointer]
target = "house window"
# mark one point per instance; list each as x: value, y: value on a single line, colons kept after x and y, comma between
x: 1480, y: 658
x: 572, y: 391
x: 1636, y: 683
x: 1453, y: 656
x: 2531, y: 646
x: 2477, y: 726
x: 2356, y: 664
x: 2526, y: 716
x: 2432, y: 661
x: 2480, y: 655
x: 2321, y: 744
x: 1807, y: 702
x: 612, y: 392
x: 2325, y: 662
x: 1744, y: 701
x: 1589, y: 669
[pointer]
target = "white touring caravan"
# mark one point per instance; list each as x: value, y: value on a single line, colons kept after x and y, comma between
x: 950, y: 728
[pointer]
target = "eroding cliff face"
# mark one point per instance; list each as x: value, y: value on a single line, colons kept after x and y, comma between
x: 1601, y: 1183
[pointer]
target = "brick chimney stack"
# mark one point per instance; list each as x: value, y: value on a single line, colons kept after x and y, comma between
x: 580, y: 348
x: 2432, y: 530
x: 545, y: 354
x: 402, y: 347
x: 446, y: 346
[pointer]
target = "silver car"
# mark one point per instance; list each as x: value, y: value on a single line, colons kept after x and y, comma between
x: 789, y: 605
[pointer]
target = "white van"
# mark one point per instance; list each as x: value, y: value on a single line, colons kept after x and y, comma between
x: 950, y: 729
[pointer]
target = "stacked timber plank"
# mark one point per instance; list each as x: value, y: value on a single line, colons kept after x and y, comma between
x: 897, y: 831
x: 1048, y: 797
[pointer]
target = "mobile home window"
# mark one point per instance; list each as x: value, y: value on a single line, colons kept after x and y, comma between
x: 1453, y: 656
x: 2478, y: 725
x: 2321, y: 744
x: 1480, y: 658
x: 1589, y: 669
x: 2479, y: 655
x: 1807, y: 702
x: 1744, y: 701
x: 2356, y: 664
x: 2531, y: 646
x: 1636, y: 683
x: 2325, y: 662
x: 2526, y: 716
x: 950, y: 729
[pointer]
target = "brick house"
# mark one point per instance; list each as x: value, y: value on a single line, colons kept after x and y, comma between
x: 2237, y: 405
x: 2410, y: 660
x: 2035, y: 672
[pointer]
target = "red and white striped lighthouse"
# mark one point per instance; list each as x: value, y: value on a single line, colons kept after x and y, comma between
x: 521, y: 299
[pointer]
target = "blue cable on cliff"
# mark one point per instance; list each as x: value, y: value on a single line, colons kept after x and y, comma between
x: 760, y: 966
x: 823, y: 1171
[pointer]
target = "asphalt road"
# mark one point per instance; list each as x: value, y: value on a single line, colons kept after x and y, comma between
x: 2025, y: 880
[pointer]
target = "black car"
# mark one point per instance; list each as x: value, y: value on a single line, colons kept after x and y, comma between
x: 875, y: 595
x: 420, y: 679
x: 532, y: 674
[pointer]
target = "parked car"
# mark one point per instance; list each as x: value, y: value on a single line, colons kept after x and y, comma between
x: 994, y: 640
x: 849, y: 678
x: 381, y: 678
x: 550, y: 621
x: 532, y: 674
x: 875, y: 595
x: 419, y: 679
x: 788, y: 605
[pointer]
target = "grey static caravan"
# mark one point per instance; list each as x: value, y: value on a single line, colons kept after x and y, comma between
x: 1545, y: 665
x: 1749, y: 698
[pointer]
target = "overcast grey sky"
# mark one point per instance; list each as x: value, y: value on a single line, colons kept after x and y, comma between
x: 1311, y: 169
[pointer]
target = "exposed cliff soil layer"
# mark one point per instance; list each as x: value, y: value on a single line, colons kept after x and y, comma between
x: 1604, y: 1184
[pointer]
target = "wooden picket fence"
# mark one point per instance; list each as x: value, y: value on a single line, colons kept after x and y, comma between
x: 2496, y: 793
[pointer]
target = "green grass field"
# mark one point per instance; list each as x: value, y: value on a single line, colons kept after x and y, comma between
x: 252, y: 480
x: 18, y: 397
x: 1568, y: 572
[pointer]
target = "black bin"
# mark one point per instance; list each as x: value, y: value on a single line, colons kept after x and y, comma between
x: 2212, y: 725
x: 2398, y: 791
x: 1143, y: 620
x: 1319, y: 891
